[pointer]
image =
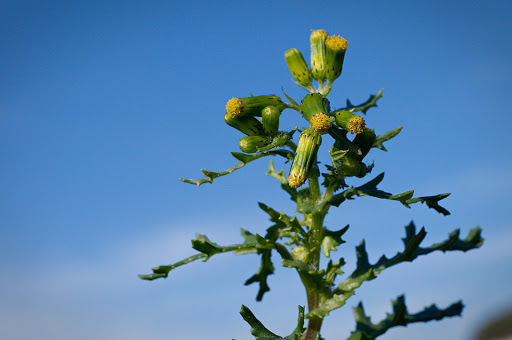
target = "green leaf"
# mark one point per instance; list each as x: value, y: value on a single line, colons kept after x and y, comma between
x: 207, y: 249
x: 366, y: 271
x: 406, y: 198
x: 371, y: 102
x: 294, y: 105
x: 266, y: 269
x: 279, y: 140
x: 281, y: 177
x: 385, y: 137
x: 366, y: 330
x: 432, y: 202
x: 243, y: 160
x: 340, y: 295
x: 412, y: 249
x: 332, y: 239
x: 204, y: 245
x: 262, y: 333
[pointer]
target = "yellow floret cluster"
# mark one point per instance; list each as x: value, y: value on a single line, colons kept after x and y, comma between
x: 356, y: 125
x: 336, y: 43
x: 320, y: 123
x: 234, y: 107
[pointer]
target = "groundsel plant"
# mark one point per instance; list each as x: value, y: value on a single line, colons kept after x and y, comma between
x: 301, y: 241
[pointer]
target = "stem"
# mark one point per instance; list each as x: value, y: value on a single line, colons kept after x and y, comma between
x: 314, y: 295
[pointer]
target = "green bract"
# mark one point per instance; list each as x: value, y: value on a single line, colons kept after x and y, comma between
x: 301, y: 241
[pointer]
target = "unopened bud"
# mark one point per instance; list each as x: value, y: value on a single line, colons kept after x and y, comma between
x: 298, y: 67
x: 318, y: 61
x: 251, y: 144
x: 246, y: 124
x: 270, y: 119
x: 351, y: 167
x: 365, y: 141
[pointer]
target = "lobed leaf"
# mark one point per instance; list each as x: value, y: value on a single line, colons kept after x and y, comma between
x: 371, y: 102
x: 366, y: 330
x: 406, y: 198
x: 385, y: 137
x: 262, y: 333
x: 243, y: 160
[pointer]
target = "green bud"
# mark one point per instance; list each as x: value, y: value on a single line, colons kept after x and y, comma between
x: 301, y: 253
x: 246, y: 124
x: 270, y: 119
x: 365, y: 141
x: 298, y: 67
x: 335, y: 48
x: 252, y: 106
x: 313, y: 104
x: 318, y: 61
x: 251, y: 144
x: 309, y: 142
x: 350, y: 122
x: 351, y: 167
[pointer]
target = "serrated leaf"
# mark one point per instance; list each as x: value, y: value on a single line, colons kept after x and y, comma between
x: 366, y: 271
x: 207, y: 248
x: 370, y: 189
x: 332, y: 239
x: 243, y: 160
x: 371, y: 102
x: 262, y: 333
x: 412, y: 249
x: 431, y: 202
x: 266, y: 269
x: 340, y: 295
x: 366, y: 330
x: 385, y: 137
x: 281, y: 177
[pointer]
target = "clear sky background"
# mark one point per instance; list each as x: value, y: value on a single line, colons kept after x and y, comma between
x: 104, y: 104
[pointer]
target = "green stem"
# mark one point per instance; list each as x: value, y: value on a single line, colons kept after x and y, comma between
x: 314, y: 295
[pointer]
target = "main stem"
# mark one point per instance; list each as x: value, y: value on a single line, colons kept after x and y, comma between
x: 315, y: 242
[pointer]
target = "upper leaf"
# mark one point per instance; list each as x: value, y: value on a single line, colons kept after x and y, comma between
x: 243, y: 160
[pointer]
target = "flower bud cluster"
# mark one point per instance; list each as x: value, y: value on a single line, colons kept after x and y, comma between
x: 327, y: 56
x: 255, y: 116
x: 258, y: 116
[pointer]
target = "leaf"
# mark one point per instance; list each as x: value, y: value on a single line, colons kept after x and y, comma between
x: 262, y: 333
x: 431, y: 202
x: 243, y: 160
x: 332, y: 239
x: 294, y: 105
x: 207, y: 249
x: 406, y: 198
x: 366, y: 271
x: 366, y: 330
x: 281, y: 177
x: 371, y: 102
x: 266, y: 269
x: 412, y: 249
x: 385, y: 137
x: 281, y: 139
x: 340, y: 295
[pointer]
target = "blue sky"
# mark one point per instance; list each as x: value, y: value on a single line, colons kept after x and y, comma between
x: 104, y: 104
